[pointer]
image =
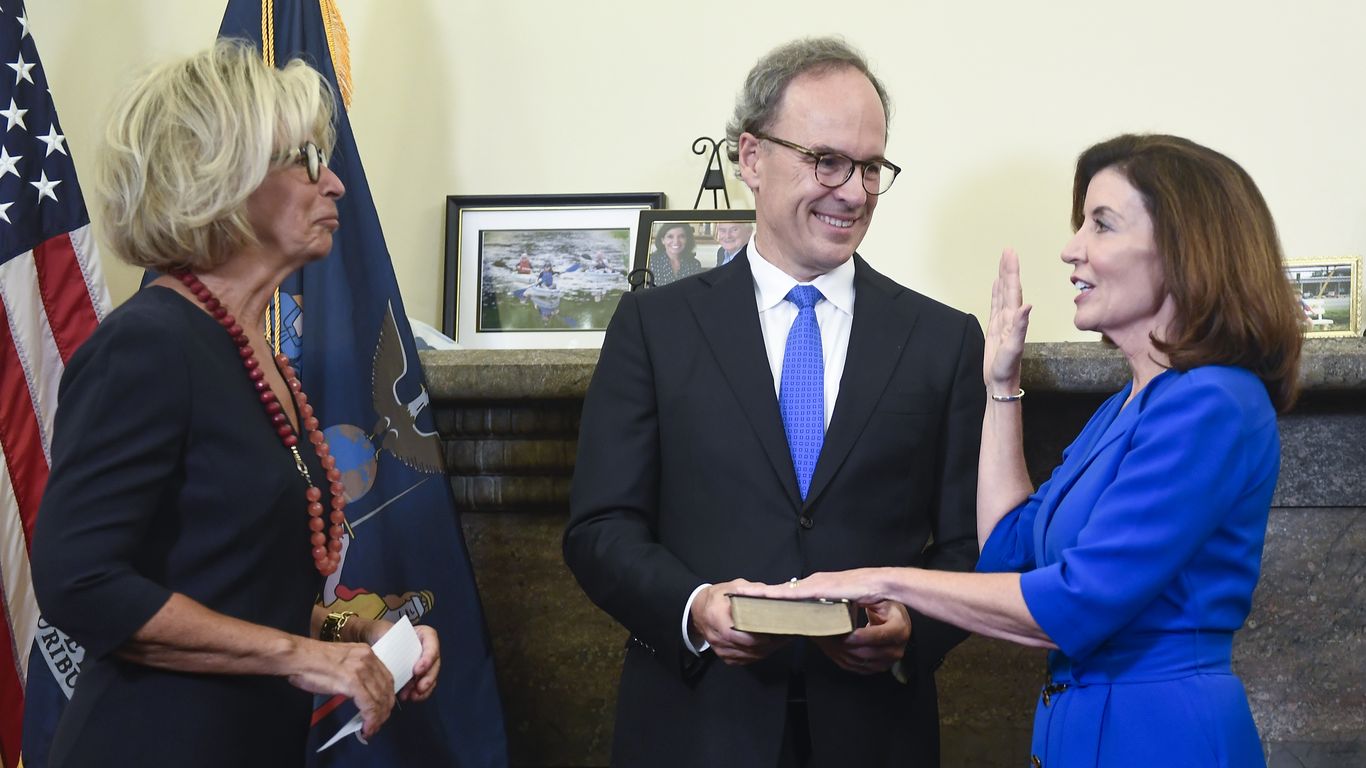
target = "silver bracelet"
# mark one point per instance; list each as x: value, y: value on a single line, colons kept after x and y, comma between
x: 1008, y: 398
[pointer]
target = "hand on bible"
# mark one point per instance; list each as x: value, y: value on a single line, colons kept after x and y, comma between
x: 711, y: 620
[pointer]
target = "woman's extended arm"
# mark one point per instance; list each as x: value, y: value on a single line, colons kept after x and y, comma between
x: 990, y: 604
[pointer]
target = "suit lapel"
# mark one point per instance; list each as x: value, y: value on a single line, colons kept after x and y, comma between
x: 726, y: 313
x: 876, y: 339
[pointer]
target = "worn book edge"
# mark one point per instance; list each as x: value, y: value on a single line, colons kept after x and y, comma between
x: 815, y: 617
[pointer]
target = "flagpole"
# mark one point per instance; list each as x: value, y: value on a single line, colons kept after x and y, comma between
x: 341, y: 322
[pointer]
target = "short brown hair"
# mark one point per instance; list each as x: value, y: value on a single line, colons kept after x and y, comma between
x: 1221, y: 257
x: 762, y: 95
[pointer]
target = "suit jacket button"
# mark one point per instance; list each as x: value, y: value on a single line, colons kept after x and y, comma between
x: 1035, y: 762
x: 805, y: 522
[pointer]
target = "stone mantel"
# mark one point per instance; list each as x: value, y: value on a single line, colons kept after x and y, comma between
x: 1084, y: 367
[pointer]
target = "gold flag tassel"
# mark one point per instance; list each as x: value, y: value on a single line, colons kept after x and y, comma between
x: 268, y: 32
x: 274, y: 325
x: 268, y: 56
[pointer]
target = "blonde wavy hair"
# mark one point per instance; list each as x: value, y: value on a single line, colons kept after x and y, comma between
x: 190, y: 140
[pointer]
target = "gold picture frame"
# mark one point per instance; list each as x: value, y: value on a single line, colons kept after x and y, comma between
x: 1329, y: 290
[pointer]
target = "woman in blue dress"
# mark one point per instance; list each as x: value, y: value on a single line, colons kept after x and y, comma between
x: 1136, y: 561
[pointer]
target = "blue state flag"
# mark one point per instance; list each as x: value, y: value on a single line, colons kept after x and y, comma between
x: 343, y: 323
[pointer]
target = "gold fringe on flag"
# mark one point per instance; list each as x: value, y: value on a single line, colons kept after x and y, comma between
x: 338, y: 42
x: 339, y: 45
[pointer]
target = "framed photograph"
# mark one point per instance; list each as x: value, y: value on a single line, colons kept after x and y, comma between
x: 537, y: 271
x: 1330, y: 294
x: 676, y: 244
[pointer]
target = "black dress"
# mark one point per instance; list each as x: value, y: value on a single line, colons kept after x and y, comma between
x: 168, y: 477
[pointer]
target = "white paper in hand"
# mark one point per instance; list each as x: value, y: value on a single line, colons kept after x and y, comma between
x: 399, y: 650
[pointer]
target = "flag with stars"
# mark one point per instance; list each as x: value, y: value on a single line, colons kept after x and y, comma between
x: 344, y: 326
x: 52, y: 294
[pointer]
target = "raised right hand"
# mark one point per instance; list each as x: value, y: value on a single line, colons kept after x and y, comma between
x: 354, y: 671
x: 711, y: 619
x: 1006, y: 329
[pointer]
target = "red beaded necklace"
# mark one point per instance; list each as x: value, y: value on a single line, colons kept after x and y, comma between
x: 326, y: 547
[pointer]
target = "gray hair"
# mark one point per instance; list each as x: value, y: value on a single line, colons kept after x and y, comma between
x: 759, y: 100
x: 190, y: 140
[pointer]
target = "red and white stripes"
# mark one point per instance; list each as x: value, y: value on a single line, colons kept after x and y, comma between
x: 52, y: 297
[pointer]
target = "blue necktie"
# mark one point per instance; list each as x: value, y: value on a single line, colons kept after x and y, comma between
x: 801, y: 397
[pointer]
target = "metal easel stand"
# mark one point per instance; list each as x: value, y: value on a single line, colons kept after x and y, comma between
x: 714, y: 179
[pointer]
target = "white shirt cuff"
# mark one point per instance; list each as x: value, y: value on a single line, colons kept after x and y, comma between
x: 687, y: 612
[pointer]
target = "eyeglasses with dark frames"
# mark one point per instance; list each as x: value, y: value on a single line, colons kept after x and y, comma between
x: 833, y: 169
x: 310, y: 157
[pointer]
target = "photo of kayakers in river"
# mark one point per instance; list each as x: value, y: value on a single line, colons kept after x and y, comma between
x: 551, y: 279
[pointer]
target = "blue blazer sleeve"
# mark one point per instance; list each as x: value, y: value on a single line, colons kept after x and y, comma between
x: 1010, y: 547
x: 1192, y: 456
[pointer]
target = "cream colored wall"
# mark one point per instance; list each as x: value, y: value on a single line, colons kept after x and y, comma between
x: 993, y: 100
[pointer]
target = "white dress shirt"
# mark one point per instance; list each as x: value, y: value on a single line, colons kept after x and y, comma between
x: 835, y: 314
x: 776, y: 315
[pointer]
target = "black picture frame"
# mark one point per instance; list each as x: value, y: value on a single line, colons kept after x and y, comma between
x: 703, y: 226
x: 579, y: 249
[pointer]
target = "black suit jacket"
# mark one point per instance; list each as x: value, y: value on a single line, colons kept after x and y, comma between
x: 684, y: 477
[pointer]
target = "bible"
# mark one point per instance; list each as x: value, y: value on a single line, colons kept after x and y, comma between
x: 816, y: 617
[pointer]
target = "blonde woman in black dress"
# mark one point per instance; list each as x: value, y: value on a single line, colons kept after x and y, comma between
x: 193, y: 507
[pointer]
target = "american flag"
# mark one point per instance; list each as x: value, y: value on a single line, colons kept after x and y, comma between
x: 52, y: 294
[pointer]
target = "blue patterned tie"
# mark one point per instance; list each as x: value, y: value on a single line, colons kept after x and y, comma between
x: 801, y: 397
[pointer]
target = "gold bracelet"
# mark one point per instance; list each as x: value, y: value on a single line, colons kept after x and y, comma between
x: 1008, y: 398
x: 331, y: 631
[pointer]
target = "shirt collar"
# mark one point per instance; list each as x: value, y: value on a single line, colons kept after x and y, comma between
x: 772, y: 284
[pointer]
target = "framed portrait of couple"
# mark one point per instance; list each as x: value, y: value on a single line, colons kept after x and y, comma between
x: 675, y: 244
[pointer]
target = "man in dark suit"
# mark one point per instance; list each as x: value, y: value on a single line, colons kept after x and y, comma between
x: 697, y: 470
x: 732, y: 236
